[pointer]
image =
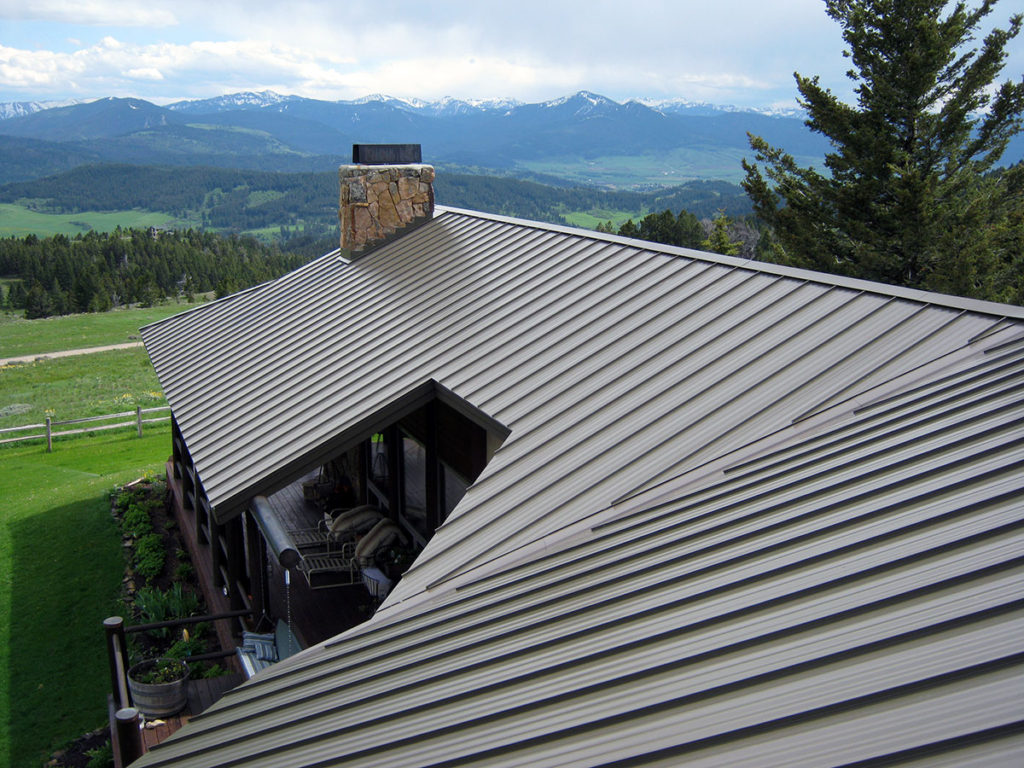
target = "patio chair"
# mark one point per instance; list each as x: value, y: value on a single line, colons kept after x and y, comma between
x: 383, y: 534
x: 346, y: 524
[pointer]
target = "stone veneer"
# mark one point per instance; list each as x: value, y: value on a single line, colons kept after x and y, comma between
x: 378, y: 200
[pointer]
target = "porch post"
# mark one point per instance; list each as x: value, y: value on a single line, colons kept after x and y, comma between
x: 431, y: 471
x: 129, y: 737
x: 396, y: 474
x: 117, y: 657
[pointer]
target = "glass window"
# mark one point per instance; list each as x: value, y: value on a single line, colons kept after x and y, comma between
x: 454, y: 490
x: 414, y: 457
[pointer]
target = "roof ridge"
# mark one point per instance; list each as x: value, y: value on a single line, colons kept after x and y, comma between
x: 853, y: 283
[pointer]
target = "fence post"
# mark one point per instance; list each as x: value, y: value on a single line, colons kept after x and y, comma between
x: 138, y: 419
x: 49, y: 436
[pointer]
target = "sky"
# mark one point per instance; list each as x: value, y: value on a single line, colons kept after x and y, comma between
x: 725, y: 52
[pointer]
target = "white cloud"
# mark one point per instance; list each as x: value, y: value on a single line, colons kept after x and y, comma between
x: 729, y: 51
x: 113, y: 64
x: 145, y: 73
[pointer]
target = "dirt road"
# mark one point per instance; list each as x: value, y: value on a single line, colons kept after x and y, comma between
x: 67, y: 353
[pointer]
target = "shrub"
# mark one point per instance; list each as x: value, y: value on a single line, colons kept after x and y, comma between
x: 149, y: 556
x: 126, y: 497
x: 183, y: 572
x: 136, y: 521
x: 101, y: 757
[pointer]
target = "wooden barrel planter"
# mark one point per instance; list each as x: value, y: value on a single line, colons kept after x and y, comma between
x: 159, y: 687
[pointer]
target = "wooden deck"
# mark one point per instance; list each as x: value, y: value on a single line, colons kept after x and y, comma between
x: 316, y: 614
x: 292, y: 508
x: 313, y: 615
x: 202, y: 694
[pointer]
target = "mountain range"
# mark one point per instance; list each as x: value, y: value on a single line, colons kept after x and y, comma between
x: 584, y: 138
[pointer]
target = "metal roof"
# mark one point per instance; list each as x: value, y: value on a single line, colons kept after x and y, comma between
x: 744, y: 513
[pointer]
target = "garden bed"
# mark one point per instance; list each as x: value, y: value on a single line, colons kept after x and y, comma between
x: 159, y: 584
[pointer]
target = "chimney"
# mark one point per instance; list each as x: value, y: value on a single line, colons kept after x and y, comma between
x: 385, y: 191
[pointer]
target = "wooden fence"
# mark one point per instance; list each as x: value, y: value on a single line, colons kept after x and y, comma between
x: 48, y: 428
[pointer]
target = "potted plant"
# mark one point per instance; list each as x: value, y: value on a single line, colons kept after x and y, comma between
x: 159, y: 687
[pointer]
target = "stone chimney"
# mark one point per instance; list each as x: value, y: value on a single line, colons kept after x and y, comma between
x: 384, y: 192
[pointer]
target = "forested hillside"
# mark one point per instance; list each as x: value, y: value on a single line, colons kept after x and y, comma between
x: 95, y: 272
x: 239, y: 201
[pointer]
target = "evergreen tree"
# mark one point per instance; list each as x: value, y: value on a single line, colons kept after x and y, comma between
x: 16, y: 295
x: 684, y: 230
x: 902, y: 200
x: 37, y: 303
x: 629, y: 229
x: 718, y: 240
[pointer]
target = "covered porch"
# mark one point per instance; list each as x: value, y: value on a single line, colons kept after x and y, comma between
x: 284, y: 561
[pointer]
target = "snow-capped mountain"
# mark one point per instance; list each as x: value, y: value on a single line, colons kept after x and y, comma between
x: 412, y: 104
x: 9, y: 109
x: 450, y: 106
x: 231, y: 101
x: 583, y: 103
x: 269, y: 130
x: 706, y: 109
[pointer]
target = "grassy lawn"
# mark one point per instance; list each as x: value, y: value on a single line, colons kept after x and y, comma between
x: 96, y: 329
x: 60, y: 570
x: 60, y: 552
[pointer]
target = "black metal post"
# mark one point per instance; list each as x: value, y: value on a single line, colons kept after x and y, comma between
x: 129, y: 737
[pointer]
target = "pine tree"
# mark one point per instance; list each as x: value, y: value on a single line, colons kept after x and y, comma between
x: 37, y: 303
x: 718, y: 240
x: 908, y: 158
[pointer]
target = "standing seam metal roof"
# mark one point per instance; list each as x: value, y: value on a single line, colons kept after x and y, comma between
x: 744, y: 514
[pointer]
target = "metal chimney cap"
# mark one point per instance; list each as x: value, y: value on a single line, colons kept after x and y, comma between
x: 386, y: 154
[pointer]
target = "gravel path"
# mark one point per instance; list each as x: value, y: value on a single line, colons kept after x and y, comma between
x: 67, y: 353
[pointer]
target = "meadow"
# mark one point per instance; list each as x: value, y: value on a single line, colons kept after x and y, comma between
x: 19, y: 220
x: 60, y: 552
x: 20, y: 337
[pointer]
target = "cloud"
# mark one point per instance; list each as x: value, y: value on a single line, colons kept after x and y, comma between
x: 113, y: 67
x: 145, y: 73
x: 730, y: 51
x: 124, y: 13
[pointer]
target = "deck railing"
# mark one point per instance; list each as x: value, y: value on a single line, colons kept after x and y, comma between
x: 48, y: 428
x: 124, y: 718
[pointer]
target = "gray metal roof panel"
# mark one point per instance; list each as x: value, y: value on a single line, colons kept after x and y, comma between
x: 667, y: 557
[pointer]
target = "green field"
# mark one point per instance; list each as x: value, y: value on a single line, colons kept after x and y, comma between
x: 677, y: 166
x: 35, y: 337
x: 60, y: 552
x: 652, y: 171
x: 18, y: 221
x: 590, y: 219
x: 76, y: 387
